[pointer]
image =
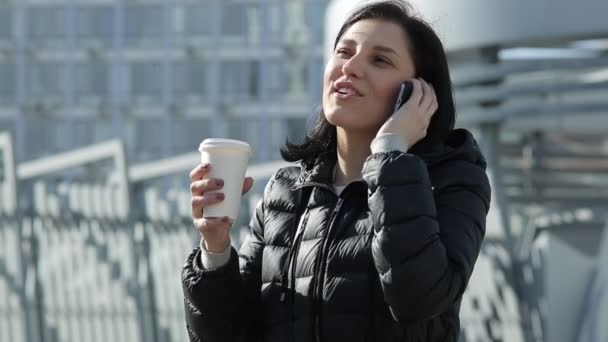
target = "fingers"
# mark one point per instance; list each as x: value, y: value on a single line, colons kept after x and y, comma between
x: 416, y: 96
x: 199, y: 172
x: 427, y: 97
x: 434, y: 104
x: 202, y: 197
x: 210, y: 184
x: 428, y: 101
x: 200, y: 202
x: 200, y: 190
x: 204, y: 192
x: 427, y: 105
x: 201, y: 186
x: 414, y: 120
x: 247, y: 185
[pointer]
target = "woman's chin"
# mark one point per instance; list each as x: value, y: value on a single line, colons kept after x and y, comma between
x: 340, y: 119
x: 349, y: 126
x: 349, y: 121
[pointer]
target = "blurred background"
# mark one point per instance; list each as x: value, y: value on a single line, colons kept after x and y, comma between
x: 103, y: 104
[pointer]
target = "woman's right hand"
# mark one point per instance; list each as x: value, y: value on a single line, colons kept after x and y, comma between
x: 412, y: 120
x: 215, y: 231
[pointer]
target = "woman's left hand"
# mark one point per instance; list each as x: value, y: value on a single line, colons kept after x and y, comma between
x: 412, y: 120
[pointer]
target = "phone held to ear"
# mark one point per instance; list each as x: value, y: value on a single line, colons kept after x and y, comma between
x: 405, y: 91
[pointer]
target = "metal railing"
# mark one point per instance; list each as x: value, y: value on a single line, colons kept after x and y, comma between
x: 89, y: 280
x: 76, y: 265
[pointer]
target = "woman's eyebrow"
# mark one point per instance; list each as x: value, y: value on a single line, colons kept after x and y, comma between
x: 380, y: 48
x: 385, y: 49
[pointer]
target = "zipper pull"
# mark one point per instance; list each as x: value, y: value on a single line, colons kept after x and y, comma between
x: 283, y: 290
x: 284, y: 293
x: 338, y: 205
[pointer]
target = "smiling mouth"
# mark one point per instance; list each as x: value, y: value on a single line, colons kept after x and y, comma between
x: 347, y: 92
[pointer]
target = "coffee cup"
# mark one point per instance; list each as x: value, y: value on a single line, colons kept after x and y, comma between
x: 229, y: 159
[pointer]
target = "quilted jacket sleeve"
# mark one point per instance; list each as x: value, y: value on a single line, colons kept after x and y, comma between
x: 427, y: 236
x: 221, y: 304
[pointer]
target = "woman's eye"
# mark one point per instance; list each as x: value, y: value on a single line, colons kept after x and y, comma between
x: 380, y: 60
x: 342, y: 52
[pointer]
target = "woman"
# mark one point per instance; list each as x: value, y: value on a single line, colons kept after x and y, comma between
x: 375, y: 236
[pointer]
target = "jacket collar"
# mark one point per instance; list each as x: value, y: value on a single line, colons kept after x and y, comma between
x: 318, y: 173
x: 459, y: 144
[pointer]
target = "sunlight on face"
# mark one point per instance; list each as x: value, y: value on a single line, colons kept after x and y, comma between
x: 364, y: 73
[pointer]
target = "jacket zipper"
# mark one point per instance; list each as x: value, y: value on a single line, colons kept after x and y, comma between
x: 317, y: 295
x: 293, y: 254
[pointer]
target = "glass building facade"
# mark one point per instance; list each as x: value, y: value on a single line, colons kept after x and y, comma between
x: 159, y: 74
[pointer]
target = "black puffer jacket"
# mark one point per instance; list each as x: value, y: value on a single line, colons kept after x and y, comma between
x: 387, y: 260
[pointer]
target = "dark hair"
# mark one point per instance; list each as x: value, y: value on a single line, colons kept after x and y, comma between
x: 430, y: 63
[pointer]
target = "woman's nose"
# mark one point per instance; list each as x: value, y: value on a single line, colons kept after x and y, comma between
x: 353, y: 67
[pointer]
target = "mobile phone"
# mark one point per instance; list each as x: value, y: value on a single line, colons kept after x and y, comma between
x: 405, y: 91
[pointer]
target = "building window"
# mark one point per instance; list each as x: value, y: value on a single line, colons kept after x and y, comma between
x: 315, y: 78
x: 275, y: 80
x: 46, y: 25
x: 83, y: 132
x: 296, y: 129
x: 40, y: 131
x: 46, y: 79
x: 315, y: 14
x: 2, y: 172
x: 145, y: 79
x: 92, y: 79
x: 239, y: 81
x: 148, y: 139
x: 234, y: 20
x: 198, y: 19
x: 143, y: 22
x: 188, y: 134
x: 7, y: 86
x: 190, y: 79
x: 6, y: 23
x: 275, y: 23
x: 95, y: 24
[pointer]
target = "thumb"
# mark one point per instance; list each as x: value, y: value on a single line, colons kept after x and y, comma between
x: 247, y: 185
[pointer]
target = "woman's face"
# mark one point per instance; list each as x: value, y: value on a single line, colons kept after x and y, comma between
x: 363, y: 75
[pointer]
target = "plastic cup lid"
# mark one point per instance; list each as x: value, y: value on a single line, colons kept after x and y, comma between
x: 224, y: 143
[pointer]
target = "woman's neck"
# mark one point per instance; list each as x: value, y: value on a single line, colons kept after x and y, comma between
x: 352, y: 151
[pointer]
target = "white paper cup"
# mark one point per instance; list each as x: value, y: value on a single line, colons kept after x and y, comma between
x: 228, y: 159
